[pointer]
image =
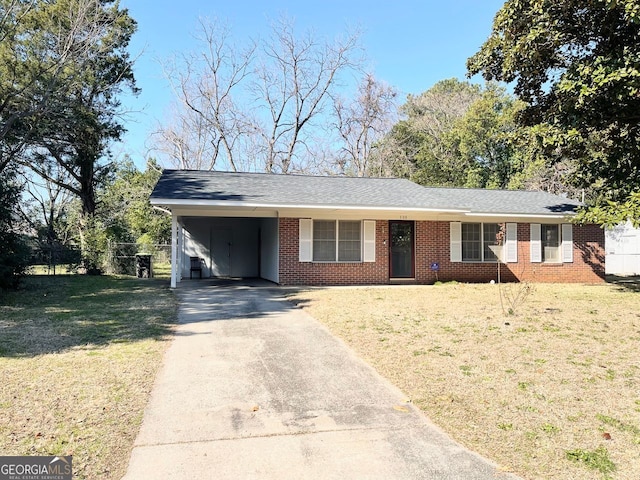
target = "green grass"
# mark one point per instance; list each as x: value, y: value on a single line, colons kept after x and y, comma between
x: 52, y: 314
x: 79, y: 356
x: 621, y: 426
x: 162, y: 271
x: 597, y: 459
x: 549, y: 428
x: 62, y: 269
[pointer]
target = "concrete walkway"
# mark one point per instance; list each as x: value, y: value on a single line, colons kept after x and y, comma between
x: 254, y: 388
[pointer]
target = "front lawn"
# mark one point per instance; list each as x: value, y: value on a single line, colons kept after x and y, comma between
x: 78, y: 356
x: 551, y: 391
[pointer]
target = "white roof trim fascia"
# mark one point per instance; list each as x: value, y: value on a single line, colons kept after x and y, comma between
x: 522, y: 215
x: 275, y: 206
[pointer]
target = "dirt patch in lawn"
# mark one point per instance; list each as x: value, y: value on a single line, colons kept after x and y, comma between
x: 78, y: 357
x: 552, y: 391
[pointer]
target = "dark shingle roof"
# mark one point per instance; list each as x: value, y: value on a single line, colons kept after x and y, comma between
x: 261, y: 189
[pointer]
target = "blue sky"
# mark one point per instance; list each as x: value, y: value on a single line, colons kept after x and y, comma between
x: 409, y: 44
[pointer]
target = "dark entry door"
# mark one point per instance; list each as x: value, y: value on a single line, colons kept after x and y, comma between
x: 401, y: 252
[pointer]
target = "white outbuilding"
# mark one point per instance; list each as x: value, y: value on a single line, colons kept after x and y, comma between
x: 622, y: 246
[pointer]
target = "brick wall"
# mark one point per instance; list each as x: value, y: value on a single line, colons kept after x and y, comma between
x: 432, y: 246
x: 293, y: 272
x: 587, y: 265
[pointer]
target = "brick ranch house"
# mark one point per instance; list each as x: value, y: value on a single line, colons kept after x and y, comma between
x: 307, y: 230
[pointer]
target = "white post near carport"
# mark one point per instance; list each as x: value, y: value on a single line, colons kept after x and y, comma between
x: 174, y: 250
x: 180, y: 252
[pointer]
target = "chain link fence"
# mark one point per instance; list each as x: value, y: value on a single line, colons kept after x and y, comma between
x: 121, y: 257
x: 55, y: 259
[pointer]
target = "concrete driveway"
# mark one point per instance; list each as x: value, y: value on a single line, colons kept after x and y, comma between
x: 254, y: 388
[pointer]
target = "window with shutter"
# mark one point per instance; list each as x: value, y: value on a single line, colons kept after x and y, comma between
x: 349, y: 247
x: 334, y: 240
x: 490, y: 233
x: 474, y: 242
x: 324, y: 241
x: 552, y: 243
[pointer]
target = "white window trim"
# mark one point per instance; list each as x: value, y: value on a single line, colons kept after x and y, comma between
x: 482, y: 259
x: 510, y: 254
x: 367, y: 241
x: 565, y: 231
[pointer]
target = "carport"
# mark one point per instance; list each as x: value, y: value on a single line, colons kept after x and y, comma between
x: 238, y: 246
x: 233, y: 232
x: 244, y: 247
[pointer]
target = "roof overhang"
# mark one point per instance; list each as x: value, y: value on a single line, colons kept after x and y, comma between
x: 191, y: 208
x: 208, y: 208
x: 551, y: 217
x: 226, y: 204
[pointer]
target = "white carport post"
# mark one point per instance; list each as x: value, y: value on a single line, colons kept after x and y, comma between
x: 174, y: 250
x: 180, y: 251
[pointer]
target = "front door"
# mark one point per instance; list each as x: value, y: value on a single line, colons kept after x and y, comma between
x: 401, y: 251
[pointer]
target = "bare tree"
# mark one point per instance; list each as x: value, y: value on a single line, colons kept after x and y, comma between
x: 244, y: 108
x: 210, y: 126
x: 391, y: 158
x: 294, y: 83
x: 433, y: 112
x: 363, y: 123
x: 187, y: 140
